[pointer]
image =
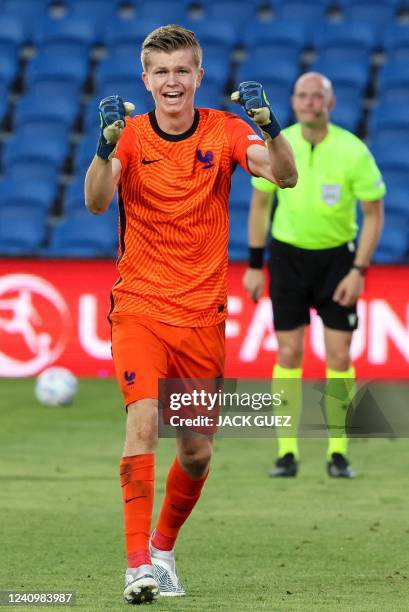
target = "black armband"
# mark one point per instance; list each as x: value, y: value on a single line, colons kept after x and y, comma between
x: 256, y: 257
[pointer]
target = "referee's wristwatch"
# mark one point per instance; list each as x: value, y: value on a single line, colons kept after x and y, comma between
x: 361, y: 269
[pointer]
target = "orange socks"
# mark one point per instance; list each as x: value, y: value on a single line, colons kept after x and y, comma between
x: 182, y: 493
x: 137, y: 482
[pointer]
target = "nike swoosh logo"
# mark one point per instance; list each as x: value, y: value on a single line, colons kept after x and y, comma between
x: 132, y: 498
x: 150, y: 161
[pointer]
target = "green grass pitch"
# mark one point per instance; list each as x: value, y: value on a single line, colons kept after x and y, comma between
x: 303, y: 544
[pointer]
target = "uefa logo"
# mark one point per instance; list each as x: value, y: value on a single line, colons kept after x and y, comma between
x: 35, y: 324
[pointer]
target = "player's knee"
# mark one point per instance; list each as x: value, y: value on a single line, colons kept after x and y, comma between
x: 142, y: 424
x: 195, y: 457
x: 338, y: 361
x: 290, y: 356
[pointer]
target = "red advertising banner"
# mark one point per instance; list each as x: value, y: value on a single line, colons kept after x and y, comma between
x: 54, y: 312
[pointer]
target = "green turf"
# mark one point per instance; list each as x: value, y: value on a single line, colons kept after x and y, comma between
x: 251, y: 544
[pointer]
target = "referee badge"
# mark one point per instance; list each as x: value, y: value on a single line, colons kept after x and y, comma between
x: 331, y: 194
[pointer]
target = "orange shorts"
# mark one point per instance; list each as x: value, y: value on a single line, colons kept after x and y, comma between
x: 145, y: 350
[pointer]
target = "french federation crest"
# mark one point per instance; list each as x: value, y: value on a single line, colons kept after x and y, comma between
x: 331, y: 194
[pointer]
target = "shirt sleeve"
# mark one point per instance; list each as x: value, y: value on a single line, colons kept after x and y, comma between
x: 262, y: 184
x: 367, y: 181
x: 127, y: 146
x: 241, y: 136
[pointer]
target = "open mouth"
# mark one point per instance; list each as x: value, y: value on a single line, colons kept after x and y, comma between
x: 174, y: 95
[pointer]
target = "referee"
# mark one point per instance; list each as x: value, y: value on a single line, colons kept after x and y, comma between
x: 314, y: 259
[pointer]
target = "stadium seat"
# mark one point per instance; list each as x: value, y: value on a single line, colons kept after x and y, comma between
x: 209, y: 96
x: 22, y: 230
x: 353, y: 75
x: 74, y: 195
x: 56, y: 75
x: 389, y: 116
x: 271, y: 51
x: 8, y: 63
x: 52, y: 151
x: 114, y: 68
x: 122, y: 31
x: 241, y: 189
x: 396, y: 42
x: 81, y: 234
x: 11, y: 31
x: 394, y: 242
x: 68, y: 36
x: 375, y: 14
x: 347, y: 115
x: 238, y: 250
x: 32, y: 108
x: 3, y: 100
x: 214, y: 31
x: 345, y: 35
x: 393, y: 74
x: 255, y: 68
x: 100, y: 13
x: 85, y: 151
x: 304, y: 12
x: 217, y: 68
x: 33, y: 193
x: 28, y: 12
x: 169, y: 12
x: 279, y: 32
x: 232, y: 11
x: 33, y: 169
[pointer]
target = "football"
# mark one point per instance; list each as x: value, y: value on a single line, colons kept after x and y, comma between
x: 56, y: 387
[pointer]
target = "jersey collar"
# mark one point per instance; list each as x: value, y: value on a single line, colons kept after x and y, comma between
x: 174, y: 137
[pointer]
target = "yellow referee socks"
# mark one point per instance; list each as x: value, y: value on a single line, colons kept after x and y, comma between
x: 340, y: 391
x: 288, y: 380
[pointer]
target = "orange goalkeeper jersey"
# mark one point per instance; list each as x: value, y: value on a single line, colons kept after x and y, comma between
x: 173, y: 205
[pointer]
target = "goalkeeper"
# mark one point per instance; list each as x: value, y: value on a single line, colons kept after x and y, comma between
x: 172, y: 167
x: 314, y: 259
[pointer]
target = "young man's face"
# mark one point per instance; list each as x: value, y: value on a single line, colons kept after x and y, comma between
x: 312, y: 101
x: 172, y: 78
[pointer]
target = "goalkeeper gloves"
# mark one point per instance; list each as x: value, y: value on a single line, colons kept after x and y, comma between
x: 113, y: 111
x: 252, y: 97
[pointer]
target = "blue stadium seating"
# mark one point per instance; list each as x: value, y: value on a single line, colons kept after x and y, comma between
x: 353, y: 75
x: 127, y: 31
x: 35, y: 194
x: 347, y: 116
x: 393, y: 74
x: 60, y: 109
x: 305, y: 12
x: 278, y: 32
x: 273, y: 47
x: 8, y: 64
x: 51, y: 151
x: 28, y: 12
x: 101, y: 13
x: 376, y: 13
x: 22, y: 230
x: 214, y: 31
x: 56, y: 75
x: 394, y: 243
x: 241, y: 189
x: 238, y: 13
x: 396, y: 42
x: 169, y: 12
x: 11, y: 30
x: 276, y: 70
x: 209, y: 96
x: 345, y: 35
x: 81, y: 234
x: 3, y: 100
x: 238, y: 234
x: 70, y: 36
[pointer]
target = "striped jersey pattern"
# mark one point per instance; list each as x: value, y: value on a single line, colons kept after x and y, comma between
x: 173, y: 202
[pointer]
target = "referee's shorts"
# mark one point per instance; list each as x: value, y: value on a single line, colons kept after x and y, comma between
x: 301, y: 279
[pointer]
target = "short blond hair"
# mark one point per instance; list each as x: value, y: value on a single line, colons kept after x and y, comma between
x: 171, y: 38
